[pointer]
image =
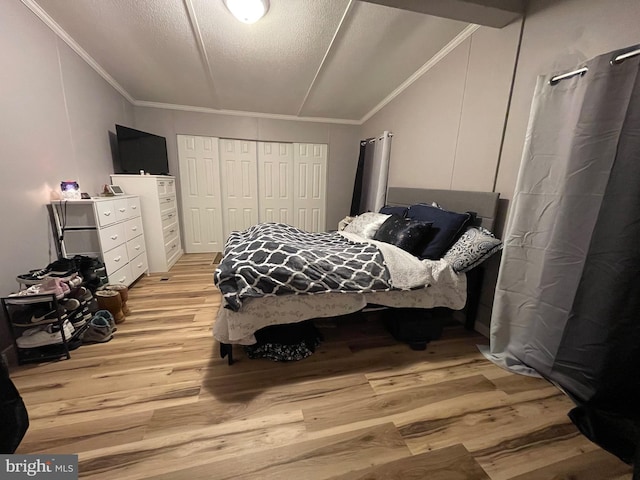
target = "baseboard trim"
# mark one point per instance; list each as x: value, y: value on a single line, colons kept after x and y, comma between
x: 482, y: 329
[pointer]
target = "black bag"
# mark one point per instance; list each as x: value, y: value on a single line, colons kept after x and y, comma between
x: 287, y: 342
x: 290, y: 334
x: 14, y: 420
x: 415, y: 326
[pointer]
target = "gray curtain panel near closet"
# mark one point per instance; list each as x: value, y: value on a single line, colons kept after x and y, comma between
x: 567, y: 303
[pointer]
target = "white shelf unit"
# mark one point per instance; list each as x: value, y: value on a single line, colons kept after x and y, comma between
x: 110, y: 228
x: 157, y: 195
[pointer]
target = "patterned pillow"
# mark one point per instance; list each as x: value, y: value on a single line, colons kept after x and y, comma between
x: 366, y: 224
x: 472, y: 248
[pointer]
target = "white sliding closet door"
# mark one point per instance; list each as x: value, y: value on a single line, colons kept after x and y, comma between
x: 310, y: 186
x: 239, y: 182
x: 200, y: 193
x: 275, y: 182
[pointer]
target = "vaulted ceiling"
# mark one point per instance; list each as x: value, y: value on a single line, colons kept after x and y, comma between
x: 329, y: 59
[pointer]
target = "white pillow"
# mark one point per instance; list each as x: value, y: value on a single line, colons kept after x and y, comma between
x: 366, y: 224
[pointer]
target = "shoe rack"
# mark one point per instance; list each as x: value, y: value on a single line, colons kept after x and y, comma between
x: 16, y: 307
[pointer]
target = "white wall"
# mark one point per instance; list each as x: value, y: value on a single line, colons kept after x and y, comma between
x: 343, y: 141
x: 55, y: 113
x: 448, y: 125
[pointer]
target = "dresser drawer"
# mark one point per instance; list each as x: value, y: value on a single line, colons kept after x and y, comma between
x: 116, y: 258
x: 134, y: 207
x: 122, y: 276
x: 169, y: 217
x: 138, y: 266
x: 166, y: 186
x: 172, y: 246
x: 167, y: 202
x: 170, y: 230
x: 173, y: 258
x: 133, y: 228
x: 121, y: 206
x: 106, y: 212
x: 112, y: 236
x: 135, y: 246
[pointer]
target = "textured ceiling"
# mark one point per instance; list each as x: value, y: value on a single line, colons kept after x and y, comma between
x: 333, y: 59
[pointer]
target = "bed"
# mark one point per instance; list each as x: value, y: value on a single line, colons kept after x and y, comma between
x: 274, y: 274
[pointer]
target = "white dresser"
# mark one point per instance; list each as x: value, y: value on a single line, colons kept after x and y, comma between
x: 160, y: 216
x: 107, y: 227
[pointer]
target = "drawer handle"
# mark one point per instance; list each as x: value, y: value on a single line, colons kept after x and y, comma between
x: 117, y: 259
x: 172, y: 230
x: 134, y: 207
x: 135, y: 229
x: 122, y: 280
x: 122, y: 210
x: 170, y: 215
x: 168, y: 199
x: 171, y: 182
x: 107, y: 213
x: 139, y: 265
x: 161, y: 184
x: 173, y: 246
x: 137, y: 247
x: 114, y: 237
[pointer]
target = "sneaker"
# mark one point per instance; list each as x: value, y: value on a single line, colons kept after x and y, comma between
x: 49, y: 335
x: 80, y: 317
x: 98, y: 331
x: 48, y: 286
x: 60, y: 268
x: 38, y: 316
x: 74, y: 280
x: 81, y: 294
x: 70, y: 304
x: 106, y: 315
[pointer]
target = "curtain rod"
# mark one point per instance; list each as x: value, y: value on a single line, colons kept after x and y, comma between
x: 557, y: 78
x: 581, y: 71
x: 621, y: 58
x: 373, y: 140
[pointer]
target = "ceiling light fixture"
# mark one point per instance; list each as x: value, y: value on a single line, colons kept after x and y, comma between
x: 247, y: 11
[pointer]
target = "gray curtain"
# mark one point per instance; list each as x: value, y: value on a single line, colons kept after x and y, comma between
x: 370, y: 187
x: 567, y: 304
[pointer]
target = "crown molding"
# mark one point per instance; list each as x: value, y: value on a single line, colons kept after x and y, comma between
x: 433, y: 61
x: 238, y: 113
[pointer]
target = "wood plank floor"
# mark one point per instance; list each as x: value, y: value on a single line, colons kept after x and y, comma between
x: 158, y: 402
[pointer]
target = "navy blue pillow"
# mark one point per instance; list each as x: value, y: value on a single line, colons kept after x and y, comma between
x: 409, y: 235
x: 446, y: 228
x: 391, y: 210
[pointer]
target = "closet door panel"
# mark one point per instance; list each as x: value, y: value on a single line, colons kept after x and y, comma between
x: 198, y: 159
x: 239, y: 184
x: 275, y: 177
x: 310, y: 185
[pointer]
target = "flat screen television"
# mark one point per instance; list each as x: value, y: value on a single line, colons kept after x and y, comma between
x: 139, y: 150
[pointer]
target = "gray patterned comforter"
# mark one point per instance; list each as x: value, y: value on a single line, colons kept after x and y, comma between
x: 277, y: 259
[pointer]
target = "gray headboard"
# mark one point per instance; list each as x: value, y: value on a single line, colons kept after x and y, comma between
x: 484, y: 204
